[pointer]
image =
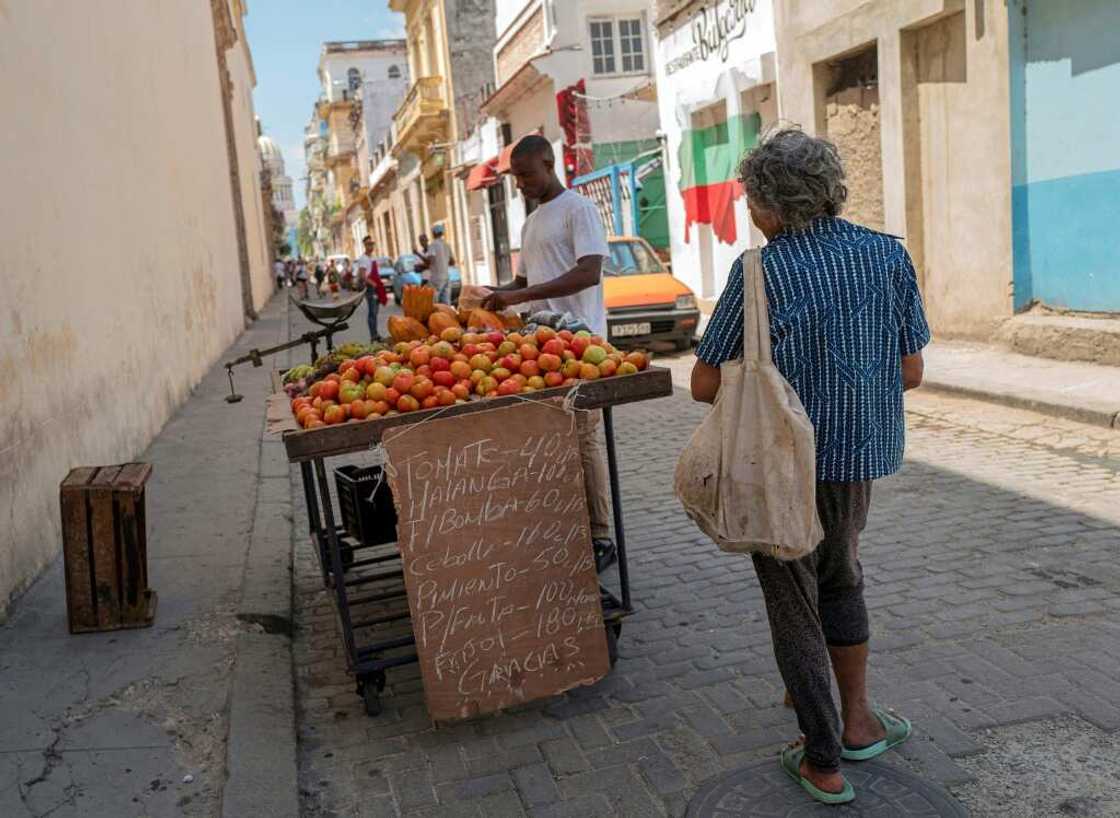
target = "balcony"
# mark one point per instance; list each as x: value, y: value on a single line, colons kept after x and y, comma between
x: 340, y: 153
x: 423, y: 116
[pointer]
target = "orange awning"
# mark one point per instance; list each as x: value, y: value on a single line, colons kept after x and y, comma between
x: 483, y: 174
x: 505, y: 156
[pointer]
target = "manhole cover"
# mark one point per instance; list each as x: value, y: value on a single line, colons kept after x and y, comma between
x: 762, y: 789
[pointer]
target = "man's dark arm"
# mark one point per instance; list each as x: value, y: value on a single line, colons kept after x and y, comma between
x: 586, y: 273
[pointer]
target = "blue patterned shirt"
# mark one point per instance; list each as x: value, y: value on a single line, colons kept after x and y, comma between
x: 844, y: 309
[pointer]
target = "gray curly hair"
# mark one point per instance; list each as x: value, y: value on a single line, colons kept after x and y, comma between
x: 794, y: 176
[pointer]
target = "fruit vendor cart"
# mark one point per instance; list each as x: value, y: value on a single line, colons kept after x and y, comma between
x: 357, y: 551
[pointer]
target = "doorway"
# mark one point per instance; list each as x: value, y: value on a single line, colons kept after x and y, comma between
x: 499, y: 224
x: 848, y: 115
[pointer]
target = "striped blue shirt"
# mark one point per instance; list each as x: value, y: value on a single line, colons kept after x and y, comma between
x: 844, y: 309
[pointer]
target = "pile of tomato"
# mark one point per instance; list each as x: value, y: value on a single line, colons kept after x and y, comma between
x: 456, y: 367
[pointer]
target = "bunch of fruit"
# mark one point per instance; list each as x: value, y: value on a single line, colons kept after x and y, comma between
x: 458, y: 366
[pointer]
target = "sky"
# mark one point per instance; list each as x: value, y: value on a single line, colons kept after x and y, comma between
x: 284, y: 37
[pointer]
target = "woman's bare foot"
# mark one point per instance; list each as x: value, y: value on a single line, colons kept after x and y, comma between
x: 862, y: 728
x: 828, y: 782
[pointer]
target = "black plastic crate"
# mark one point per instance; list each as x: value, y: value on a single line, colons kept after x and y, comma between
x: 368, y: 513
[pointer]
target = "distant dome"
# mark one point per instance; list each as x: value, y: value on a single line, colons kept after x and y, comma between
x: 271, y: 155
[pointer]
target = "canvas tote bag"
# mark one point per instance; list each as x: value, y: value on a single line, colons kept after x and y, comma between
x: 747, y: 477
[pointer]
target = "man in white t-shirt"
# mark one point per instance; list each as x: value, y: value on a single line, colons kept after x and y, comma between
x: 437, y: 260
x: 560, y: 269
x: 280, y: 271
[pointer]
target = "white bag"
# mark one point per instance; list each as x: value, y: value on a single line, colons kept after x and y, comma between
x: 747, y: 477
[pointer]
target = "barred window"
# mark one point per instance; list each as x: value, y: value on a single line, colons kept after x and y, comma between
x: 630, y: 39
x: 618, y: 45
x: 602, y: 46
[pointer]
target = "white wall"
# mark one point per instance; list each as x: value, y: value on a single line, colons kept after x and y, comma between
x: 333, y: 68
x: 121, y: 283
x: 703, y: 261
x: 257, y: 240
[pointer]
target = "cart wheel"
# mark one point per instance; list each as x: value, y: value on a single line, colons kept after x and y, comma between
x: 614, y: 630
x: 372, y: 698
x: 369, y: 688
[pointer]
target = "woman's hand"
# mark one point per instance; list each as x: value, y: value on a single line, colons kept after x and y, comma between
x: 705, y: 382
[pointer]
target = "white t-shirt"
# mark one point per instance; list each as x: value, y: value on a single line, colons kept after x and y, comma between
x: 555, y: 236
x: 439, y: 256
x: 363, y: 264
x: 278, y: 268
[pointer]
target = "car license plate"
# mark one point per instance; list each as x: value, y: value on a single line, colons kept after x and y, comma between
x: 622, y: 330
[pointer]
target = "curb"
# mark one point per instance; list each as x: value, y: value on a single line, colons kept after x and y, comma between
x: 261, y: 767
x: 1082, y: 414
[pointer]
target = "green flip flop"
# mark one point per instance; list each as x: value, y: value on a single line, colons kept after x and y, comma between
x: 790, y: 760
x: 898, y: 730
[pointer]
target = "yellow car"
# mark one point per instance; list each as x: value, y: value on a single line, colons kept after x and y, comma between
x: 644, y: 302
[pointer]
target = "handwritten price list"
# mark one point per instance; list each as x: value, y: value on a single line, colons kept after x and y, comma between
x: 493, y: 531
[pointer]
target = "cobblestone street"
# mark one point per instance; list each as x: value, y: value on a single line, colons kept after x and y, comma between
x: 994, y: 588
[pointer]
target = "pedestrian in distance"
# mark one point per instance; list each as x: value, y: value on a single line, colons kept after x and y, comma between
x: 278, y: 269
x: 847, y: 330
x: 301, y: 279
x: 369, y: 279
x: 319, y: 275
x: 438, y: 262
x: 563, y: 245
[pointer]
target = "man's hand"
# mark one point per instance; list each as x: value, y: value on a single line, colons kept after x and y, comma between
x: 498, y: 300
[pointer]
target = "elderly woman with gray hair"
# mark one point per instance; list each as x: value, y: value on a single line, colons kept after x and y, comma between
x: 847, y: 329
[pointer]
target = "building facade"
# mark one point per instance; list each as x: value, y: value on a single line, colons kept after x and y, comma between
x: 717, y: 92
x: 916, y: 95
x: 361, y: 83
x: 154, y: 293
x: 449, y: 47
x: 280, y: 183
x: 579, y: 73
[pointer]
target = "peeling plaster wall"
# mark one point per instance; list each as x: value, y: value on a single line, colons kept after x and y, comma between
x: 121, y: 279
x: 944, y: 133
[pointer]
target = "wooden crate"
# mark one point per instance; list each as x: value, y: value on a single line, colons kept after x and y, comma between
x: 105, y: 548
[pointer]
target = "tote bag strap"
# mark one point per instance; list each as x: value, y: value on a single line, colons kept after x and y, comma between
x: 756, y: 322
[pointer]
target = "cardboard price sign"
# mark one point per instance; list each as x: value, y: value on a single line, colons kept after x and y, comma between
x: 496, y: 546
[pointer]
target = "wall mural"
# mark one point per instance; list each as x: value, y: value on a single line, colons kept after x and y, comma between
x: 708, y: 160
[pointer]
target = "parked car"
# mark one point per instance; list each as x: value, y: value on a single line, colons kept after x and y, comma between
x: 644, y: 302
x: 406, y: 273
x: 386, y: 270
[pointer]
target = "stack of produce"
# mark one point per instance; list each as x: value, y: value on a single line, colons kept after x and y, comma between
x: 453, y: 366
x: 298, y: 378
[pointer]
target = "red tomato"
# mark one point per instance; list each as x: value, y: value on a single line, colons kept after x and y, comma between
x: 421, y: 388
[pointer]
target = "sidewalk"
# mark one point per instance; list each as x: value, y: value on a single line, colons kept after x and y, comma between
x: 136, y: 722
x: 1089, y: 393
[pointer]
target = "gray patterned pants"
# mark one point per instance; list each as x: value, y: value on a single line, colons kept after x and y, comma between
x: 815, y: 603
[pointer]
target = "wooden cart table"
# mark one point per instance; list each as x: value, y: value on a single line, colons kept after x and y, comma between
x: 368, y: 579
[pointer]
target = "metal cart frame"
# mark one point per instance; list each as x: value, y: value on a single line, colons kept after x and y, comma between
x: 368, y: 581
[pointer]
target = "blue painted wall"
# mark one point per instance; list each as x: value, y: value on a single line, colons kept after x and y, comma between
x: 1065, y: 161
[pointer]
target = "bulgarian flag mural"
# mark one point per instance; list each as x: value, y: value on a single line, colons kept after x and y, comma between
x: 708, y: 158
